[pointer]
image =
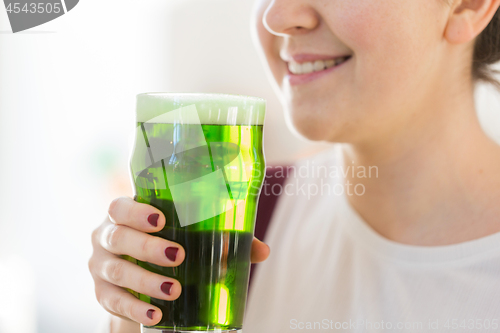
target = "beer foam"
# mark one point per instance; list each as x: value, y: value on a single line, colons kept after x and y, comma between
x: 216, y: 109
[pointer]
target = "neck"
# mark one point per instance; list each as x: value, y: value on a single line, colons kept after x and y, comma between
x: 438, y: 178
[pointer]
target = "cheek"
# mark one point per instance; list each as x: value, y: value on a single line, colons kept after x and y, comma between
x: 389, y: 40
x: 357, y: 22
x: 375, y: 31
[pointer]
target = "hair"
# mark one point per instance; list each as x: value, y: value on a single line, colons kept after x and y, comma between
x: 487, y: 53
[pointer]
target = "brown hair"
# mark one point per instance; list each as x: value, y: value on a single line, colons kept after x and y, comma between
x: 487, y: 53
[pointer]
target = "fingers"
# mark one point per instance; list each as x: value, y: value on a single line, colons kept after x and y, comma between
x: 260, y: 251
x: 139, y: 216
x: 123, y: 304
x: 127, y: 233
x: 125, y: 274
x: 120, y: 240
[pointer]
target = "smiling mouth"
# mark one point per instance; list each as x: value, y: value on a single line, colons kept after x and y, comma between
x: 315, y: 66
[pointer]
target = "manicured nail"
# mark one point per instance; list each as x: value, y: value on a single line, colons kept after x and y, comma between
x: 150, y: 313
x: 171, y: 253
x: 153, y: 219
x: 166, y: 286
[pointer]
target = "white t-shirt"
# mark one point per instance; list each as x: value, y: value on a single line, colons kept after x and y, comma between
x: 330, y: 271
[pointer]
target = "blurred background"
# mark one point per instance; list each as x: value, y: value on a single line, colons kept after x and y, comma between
x: 67, y: 99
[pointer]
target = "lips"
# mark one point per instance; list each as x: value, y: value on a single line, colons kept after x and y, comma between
x: 307, y: 71
x: 316, y: 66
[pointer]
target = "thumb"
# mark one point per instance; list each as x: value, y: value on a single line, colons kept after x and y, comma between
x: 260, y: 251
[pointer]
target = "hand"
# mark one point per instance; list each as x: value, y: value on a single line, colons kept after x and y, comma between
x: 125, y: 232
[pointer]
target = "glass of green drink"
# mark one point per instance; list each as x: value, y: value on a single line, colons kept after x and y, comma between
x: 199, y: 159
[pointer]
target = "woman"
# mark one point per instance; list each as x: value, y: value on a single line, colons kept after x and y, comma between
x: 415, y: 244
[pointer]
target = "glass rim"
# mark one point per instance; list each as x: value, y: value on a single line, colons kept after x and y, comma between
x: 202, y: 94
x: 205, y: 108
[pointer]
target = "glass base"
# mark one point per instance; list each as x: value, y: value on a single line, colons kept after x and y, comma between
x: 169, y: 330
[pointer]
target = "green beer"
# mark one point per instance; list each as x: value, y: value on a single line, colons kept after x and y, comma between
x: 198, y: 158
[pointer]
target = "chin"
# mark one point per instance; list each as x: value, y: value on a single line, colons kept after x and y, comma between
x: 321, y: 126
x: 308, y: 116
x: 310, y: 127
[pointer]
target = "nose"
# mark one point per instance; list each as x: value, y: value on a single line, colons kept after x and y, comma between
x: 290, y: 17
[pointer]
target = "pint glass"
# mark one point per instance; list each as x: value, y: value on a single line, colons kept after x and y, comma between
x: 199, y: 159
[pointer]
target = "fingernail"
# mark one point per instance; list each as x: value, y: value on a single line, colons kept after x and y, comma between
x: 166, y: 286
x: 150, y: 313
x: 171, y: 253
x: 153, y: 219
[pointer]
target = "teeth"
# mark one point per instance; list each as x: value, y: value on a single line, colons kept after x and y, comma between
x: 330, y: 63
x: 318, y: 65
x: 294, y: 68
x: 307, y: 67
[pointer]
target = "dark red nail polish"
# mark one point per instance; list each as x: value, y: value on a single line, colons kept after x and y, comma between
x: 166, y: 286
x: 150, y: 313
x: 171, y: 253
x: 153, y: 219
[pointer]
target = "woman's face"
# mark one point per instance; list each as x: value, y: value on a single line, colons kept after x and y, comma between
x: 398, y: 63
